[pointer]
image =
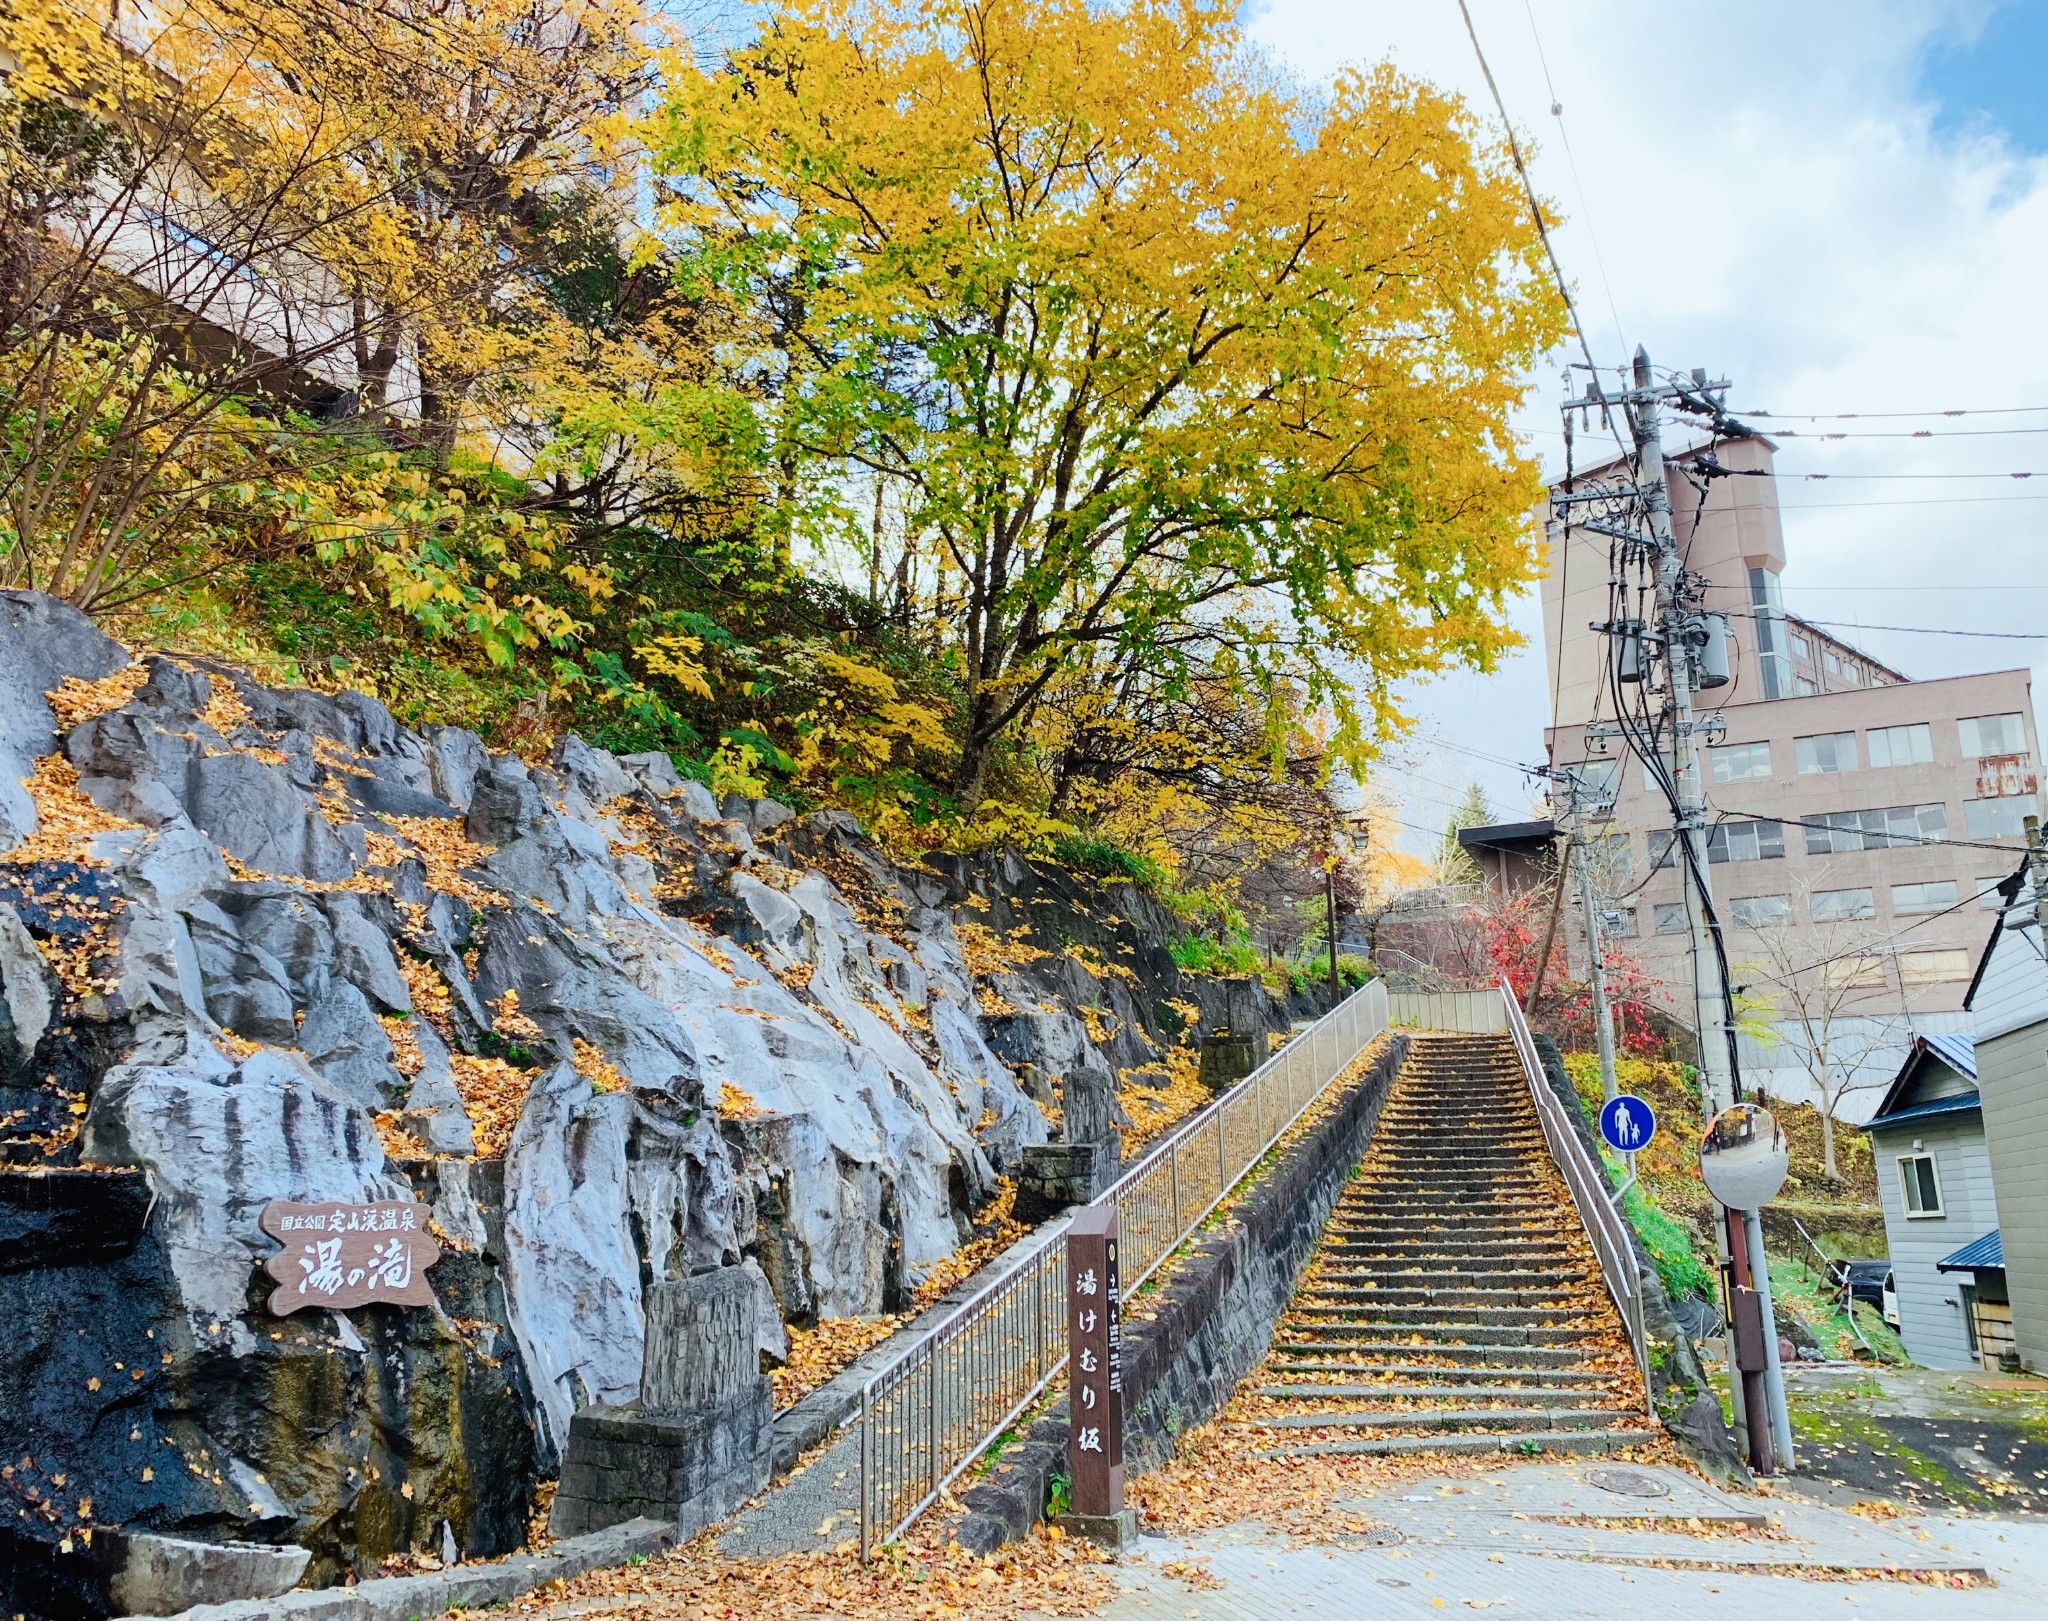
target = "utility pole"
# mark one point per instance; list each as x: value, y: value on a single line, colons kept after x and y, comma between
x: 1578, y: 850
x: 1680, y: 632
x: 2037, y: 873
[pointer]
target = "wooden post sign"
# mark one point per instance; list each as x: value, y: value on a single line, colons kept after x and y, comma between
x: 342, y: 1255
x: 1095, y: 1375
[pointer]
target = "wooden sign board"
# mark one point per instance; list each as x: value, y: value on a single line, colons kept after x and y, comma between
x: 340, y: 1255
x: 1095, y: 1374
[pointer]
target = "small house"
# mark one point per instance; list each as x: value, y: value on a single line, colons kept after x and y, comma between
x: 2008, y: 998
x: 1934, y: 1179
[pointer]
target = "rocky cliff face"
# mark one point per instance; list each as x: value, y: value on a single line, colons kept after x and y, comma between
x: 270, y: 944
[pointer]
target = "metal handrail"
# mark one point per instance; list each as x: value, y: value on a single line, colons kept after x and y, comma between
x: 939, y: 1405
x: 1606, y: 1229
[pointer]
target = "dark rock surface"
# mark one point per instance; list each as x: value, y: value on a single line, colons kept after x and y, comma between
x: 314, y: 954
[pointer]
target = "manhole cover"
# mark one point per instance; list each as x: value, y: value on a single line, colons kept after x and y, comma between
x: 1627, y: 1483
x: 1379, y: 1536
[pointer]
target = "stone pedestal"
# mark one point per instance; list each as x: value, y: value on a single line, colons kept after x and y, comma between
x: 1117, y: 1532
x: 1227, y: 1058
x: 699, y: 1441
x: 1056, y: 1175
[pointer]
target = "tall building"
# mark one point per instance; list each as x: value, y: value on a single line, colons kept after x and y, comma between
x: 1859, y: 820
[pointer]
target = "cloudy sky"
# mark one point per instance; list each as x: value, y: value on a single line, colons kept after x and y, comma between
x: 1841, y: 205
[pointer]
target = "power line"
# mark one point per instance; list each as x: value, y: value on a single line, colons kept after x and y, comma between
x: 1908, y: 630
x: 1855, y: 416
x: 1885, y: 433
x: 1572, y: 162
x: 1564, y: 290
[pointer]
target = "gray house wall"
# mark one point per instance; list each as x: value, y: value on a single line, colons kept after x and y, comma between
x: 2012, y: 1071
x: 1930, y: 1302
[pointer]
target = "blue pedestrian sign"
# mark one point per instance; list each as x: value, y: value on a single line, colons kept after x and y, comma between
x: 1628, y: 1124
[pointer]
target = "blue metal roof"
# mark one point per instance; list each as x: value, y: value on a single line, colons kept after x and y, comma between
x: 1981, y: 1255
x: 1962, y: 1103
x: 1957, y: 1051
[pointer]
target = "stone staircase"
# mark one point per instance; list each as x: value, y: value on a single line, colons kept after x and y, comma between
x: 1453, y: 1304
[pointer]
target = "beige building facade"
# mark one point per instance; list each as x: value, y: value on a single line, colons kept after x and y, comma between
x: 1859, y: 820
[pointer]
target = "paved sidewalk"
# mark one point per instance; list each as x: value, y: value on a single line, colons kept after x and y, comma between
x: 1542, y: 1542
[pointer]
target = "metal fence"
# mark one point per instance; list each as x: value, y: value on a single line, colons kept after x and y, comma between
x: 934, y: 1410
x: 1476, y: 1012
x: 1605, y: 1226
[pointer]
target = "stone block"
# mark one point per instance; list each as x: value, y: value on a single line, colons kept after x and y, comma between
x: 701, y: 1344
x: 157, y: 1575
x: 683, y: 1470
x: 1053, y: 1176
x: 1117, y: 1532
x: 1227, y: 1058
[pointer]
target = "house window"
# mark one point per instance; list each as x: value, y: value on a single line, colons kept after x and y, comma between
x: 2003, y: 818
x: 1761, y: 911
x: 1801, y: 647
x: 1829, y: 751
x: 1846, y: 832
x: 1853, y: 973
x: 1668, y: 917
x: 1840, y: 905
x: 1745, y: 841
x: 1911, y: 899
x: 1742, y: 762
x: 1900, y: 745
x: 1920, y: 1183
x: 1992, y: 734
x: 1933, y: 967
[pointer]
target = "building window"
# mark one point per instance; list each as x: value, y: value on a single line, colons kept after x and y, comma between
x: 1610, y: 855
x: 1855, y: 973
x: 1801, y: 647
x: 1834, y: 664
x: 1769, y: 603
x: 1668, y: 917
x: 1741, y: 762
x: 1845, y: 832
x: 1933, y: 967
x: 2003, y: 818
x: 1830, y: 751
x: 1920, y: 1184
x: 1992, y: 734
x: 1802, y: 687
x: 1761, y: 911
x: 1619, y: 922
x: 1899, y: 745
x: 1840, y: 905
x: 1745, y: 841
x: 1910, y: 899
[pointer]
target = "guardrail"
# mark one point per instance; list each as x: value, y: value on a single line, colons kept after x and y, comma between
x: 935, y: 1409
x: 1606, y: 1229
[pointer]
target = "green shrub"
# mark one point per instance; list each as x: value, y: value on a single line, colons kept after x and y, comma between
x: 1670, y: 1245
x: 1107, y: 860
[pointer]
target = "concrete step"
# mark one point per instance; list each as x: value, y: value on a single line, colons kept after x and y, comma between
x: 1493, y: 1355
x: 1527, y: 1249
x: 1524, y: 1395
x: 1496, y: 1272
x: 1309, y: 1306
x: 1492, y: 1335
x: 1516, y: 1377
x: 1582, y: 1442
x: 1451, y: 1418
x: 1445, y: 1298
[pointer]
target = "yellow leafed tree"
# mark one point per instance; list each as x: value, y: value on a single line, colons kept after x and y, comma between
x: 1148, y: 363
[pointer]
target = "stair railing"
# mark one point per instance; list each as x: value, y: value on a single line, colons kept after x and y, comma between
x: 952, y: 1392
x: 1606, y: 1228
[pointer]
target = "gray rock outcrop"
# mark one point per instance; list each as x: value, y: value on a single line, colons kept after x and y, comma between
x: 614, y: 1032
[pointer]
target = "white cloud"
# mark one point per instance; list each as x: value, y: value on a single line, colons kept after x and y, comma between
x: 1773, y: 201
